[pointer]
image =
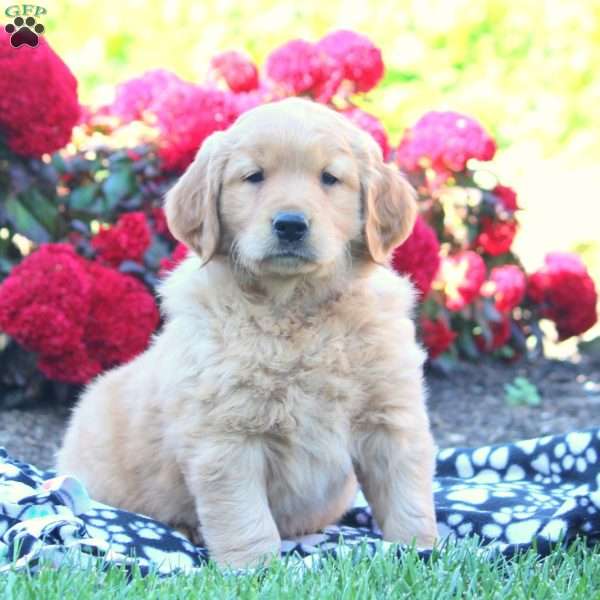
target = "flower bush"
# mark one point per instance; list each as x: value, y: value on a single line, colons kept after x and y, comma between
x: 84, y: 240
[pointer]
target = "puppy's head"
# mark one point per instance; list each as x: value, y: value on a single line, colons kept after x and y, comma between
x: 292, y: 188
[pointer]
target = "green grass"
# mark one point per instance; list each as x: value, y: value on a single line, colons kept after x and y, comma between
x: 456, y: 572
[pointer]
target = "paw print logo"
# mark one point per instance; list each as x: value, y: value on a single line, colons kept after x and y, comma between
x: 24, y: 31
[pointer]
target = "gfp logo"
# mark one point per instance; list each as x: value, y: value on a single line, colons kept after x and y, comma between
x: 24, y: 30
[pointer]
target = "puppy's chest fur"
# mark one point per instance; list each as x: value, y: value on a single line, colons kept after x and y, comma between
x: 293, y: 369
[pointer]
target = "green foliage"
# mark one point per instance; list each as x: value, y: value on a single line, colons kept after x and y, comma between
x: 521, y: 392
x: 460, y: 570
x: 591, y: 349
x: 69, y: 195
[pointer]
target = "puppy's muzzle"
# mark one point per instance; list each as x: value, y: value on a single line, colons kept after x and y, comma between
x: 290, y: 227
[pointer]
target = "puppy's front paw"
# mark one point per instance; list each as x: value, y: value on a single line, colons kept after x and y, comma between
x: 422, y: 530
x: 250, y: 554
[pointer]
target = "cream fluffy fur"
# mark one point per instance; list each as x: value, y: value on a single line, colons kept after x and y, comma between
x: 276, y: 382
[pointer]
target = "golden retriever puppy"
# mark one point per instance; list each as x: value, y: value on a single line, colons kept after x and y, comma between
x: 287, y: 368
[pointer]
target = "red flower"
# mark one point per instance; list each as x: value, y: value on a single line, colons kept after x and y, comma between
x: 500, y: 336
x: 371, y: 125
x: 437, y: 336
x: 358, y: 58
x: 238, y: 71
x: 78, y: 316
x: 168, y: 264
x: 419, y: 256
x: 186, y: 115
x: 38, y: 98
x: 506, y: 285
x: 565, y: 293
x: 44, y: 300
x: 134, y: 96
x: 301, y: 67
x: 74, y: 365
x: 444, y: 141
x: 122, y: 316
x: 496, y: 237
x: 507, y: 197
x: 461, y: 277
x: 128, y: 239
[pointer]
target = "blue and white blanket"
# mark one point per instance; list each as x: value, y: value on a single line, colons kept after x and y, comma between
x: 536, y: 491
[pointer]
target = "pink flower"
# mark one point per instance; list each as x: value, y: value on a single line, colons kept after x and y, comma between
x: 444, y: 141
x: 461, y: 277
x: 186, y: 115
x: 419, y: 256
x: 244, y: 101
x: 372, y: 125
x: 134, y: 96
x: 183, y: 113
x: 358, y: 58
x: 506, y: 285
x: 300, y: 67
x: 238, y: 71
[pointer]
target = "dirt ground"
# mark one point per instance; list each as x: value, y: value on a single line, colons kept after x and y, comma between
x: 467, y: 408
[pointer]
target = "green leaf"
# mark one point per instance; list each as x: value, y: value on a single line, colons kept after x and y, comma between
x: 490, y: 312
x: 24, y: 222
x: 59, y: 162
x: 446, y: 363
x: 82, y: 198
x: 158, y: 250
x: 43, y: 209
x: 6, y: 266
x: 591, y: 348
x: 522, y: 392
x: 467, y: 345
x: 117, y: 186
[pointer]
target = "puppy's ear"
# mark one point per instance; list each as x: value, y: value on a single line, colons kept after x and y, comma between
x: 191, y: 206
x: 391, y: 210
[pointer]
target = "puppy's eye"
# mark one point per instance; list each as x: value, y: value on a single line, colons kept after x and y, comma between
x: 255, y: 177
x: 328, y: 179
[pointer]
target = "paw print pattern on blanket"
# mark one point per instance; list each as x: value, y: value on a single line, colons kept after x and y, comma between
x: 510, y: 495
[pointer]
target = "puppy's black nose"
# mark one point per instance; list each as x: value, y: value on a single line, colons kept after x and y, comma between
x: 290, y: 226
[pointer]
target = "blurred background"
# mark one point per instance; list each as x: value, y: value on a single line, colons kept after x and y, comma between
x: 527, y: 70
